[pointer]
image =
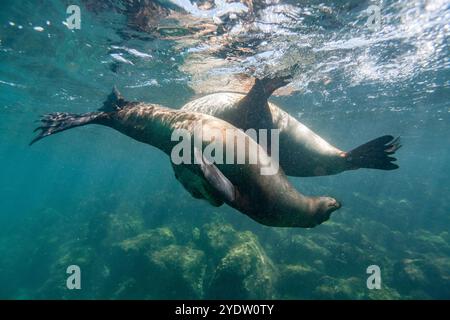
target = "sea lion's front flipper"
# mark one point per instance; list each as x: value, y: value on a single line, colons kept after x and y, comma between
x: 270, y: 85
x: 255, y: 101
x: 215, y: 178
x: 194, y: 182
x: 113, y: 102
x: 253, y: 111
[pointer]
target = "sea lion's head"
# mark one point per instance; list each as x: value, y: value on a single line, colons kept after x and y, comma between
x: 324, y: 206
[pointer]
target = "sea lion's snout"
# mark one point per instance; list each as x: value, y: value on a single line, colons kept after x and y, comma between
x: 325, y: 207
x: 334, y: 204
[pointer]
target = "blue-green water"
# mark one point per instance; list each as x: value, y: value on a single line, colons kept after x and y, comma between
x: 97, y: 199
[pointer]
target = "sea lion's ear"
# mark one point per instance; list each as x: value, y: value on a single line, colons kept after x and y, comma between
x: 215, y: 178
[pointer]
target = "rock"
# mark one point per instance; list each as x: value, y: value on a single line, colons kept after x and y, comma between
x: 148, y: 241
x: 105, y: 229
x: 245, y: 272
x: 342, y: 288
x: 181, y: 271
x: 423, y: 277
x: 218, y: 238
x: 73, y: 254
x: 131, y: 273
x: 297, y: 281
x: 429, y: 242
x: 301, y: 247
x: 385, y: 293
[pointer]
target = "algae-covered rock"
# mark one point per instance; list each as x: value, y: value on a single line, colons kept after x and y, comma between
x: 218, y: 238
x: 424, y: 278
x: 303, y: 248
x: 91, y: 271
x: 340, y: 288
x: 426, y: 241
x: 104, y: 229
x: 148, y: 240
x: 385, y: 293
x: 246, y: 272
x: 153, y: 266
x: 135, y: 250
x: 297, y: 281
x: 181, y: 271
x: 131, y: 271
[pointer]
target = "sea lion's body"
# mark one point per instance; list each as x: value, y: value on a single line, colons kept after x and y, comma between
x: 303, y: 153
x: 268, y: 199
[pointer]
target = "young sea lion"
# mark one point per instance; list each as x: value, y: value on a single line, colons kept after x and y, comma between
x: 303, y: 153
x: 268, y: 199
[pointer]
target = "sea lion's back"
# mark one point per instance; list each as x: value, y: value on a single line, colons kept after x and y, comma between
x: 213, y: 104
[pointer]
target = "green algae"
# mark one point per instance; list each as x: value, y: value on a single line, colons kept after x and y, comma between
x: 123, y: 257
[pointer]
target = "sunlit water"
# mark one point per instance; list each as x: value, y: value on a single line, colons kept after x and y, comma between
x: 97, y: 199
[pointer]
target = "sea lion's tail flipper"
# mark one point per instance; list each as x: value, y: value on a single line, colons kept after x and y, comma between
x: 375, y: 154
x: 59, y: 121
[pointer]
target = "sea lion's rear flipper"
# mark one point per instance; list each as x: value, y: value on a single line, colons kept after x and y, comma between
x: 60, y: 121
x: 219, y: 183
x: 375, y: 154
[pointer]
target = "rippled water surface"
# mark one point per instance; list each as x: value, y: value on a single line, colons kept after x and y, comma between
x: 97, y: 199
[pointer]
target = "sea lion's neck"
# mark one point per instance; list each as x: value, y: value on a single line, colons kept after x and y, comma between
x: 281, y: 205
x: 298, y: 210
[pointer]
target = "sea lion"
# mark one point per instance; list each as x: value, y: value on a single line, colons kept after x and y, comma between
x: 303, y: 153
x: 268, y: 199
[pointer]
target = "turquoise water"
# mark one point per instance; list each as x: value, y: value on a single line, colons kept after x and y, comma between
x: 97, y: 199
